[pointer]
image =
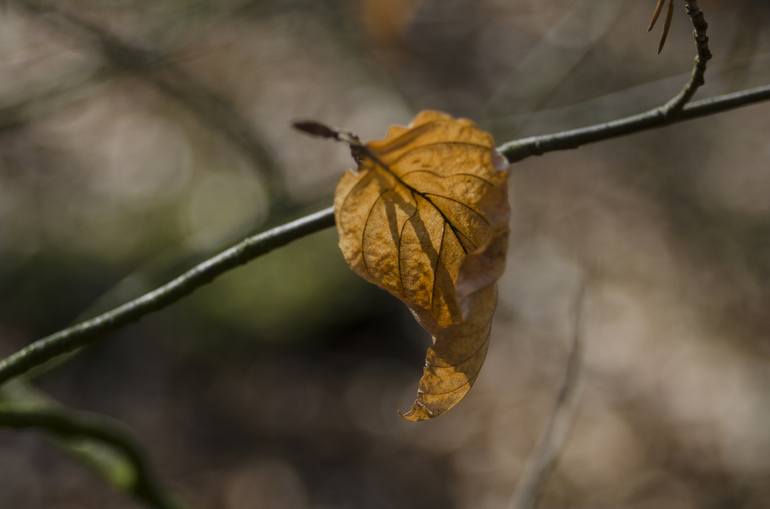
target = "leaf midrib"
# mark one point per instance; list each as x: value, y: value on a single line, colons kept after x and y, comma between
x: 426, y: 196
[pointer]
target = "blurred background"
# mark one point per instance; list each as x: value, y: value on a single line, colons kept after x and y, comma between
x: 138, y: 137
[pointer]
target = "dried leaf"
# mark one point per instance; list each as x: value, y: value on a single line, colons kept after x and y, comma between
x: 425, y: 216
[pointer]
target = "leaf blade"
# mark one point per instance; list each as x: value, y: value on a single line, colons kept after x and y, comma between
x: 425, y: 217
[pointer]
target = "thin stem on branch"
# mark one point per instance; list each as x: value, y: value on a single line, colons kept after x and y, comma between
x: 698, y: 77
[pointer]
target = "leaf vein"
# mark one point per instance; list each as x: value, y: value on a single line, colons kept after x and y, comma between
x: 399, y: 243
x: 440, y: 143
x: 459, y: 173
x: 470, y: 356
x: 438, y: 261
x: 469, y: 381
x: 458, y: 202
x: 366, y: 225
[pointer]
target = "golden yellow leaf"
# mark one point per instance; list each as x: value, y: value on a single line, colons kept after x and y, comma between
x: 425, y: 216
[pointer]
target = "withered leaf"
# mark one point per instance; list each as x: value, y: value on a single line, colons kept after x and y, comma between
x: 425, y: 216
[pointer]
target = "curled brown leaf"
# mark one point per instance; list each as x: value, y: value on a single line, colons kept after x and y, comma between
x: 425, y: 216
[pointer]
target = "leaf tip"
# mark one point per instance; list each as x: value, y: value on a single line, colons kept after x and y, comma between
x: 417, y: 413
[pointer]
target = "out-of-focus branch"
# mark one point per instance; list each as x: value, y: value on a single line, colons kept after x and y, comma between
x: 546, y: 453
x: 52, y: 98
x: 92, y: 438
x: 208, y: 107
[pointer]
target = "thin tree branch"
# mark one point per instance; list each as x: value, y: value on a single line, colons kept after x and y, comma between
x: 518, y: 150
x: 76, y: 429
x: 88, y: 331
x: 545, y: 455
x: 698, y: 77
x: 669, y: 113
x: 85, y: 332
x: 48, y: 100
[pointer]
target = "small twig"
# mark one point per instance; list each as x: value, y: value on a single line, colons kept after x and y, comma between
x: 698, y: 77
x: 357, y: 149
x: 545, y: 455
x: 75, y: 427
x: 671, y: 112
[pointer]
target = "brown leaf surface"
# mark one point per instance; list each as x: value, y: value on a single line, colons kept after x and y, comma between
x: 425, y: 216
